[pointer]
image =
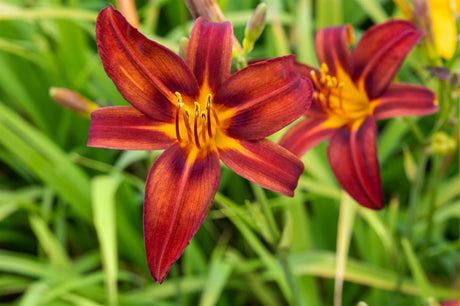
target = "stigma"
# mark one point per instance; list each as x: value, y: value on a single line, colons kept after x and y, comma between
x: 195, y: 125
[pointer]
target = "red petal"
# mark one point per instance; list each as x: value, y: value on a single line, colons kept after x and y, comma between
x: 332, y: 48
x: 126, y: 128
x: 405, y: 100
x: 146, y: 73
x: 264, y: 163
x: 180, y: 190
x: 209, y: 53
x: 352, y: 155
x: 262, y: 98
x: 380, y: 52
x: 305, y: 135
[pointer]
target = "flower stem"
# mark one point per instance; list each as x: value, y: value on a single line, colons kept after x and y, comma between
x: 262, y: 199
x: 434, y: 178
x: 415, y: 192
x: 415, y: 129
x: 284, y: 260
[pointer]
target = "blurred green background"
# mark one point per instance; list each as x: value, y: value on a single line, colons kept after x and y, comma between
x: 71, y: 216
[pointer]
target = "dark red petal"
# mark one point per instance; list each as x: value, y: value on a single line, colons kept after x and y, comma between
x: 262, y: 98
x: 209, y: 53
x: 405, y: 100
x: 264, y: 163
x: 306, y: 134
x: 332, y: 47
x: 180, y: 190
x: 126, y: 128
x: 146, y: 73
x: 352, y: 155
x: 380, y: 52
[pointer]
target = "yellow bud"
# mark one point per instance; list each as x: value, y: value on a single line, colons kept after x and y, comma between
x: 442, y: 144
x: 183, y: 44
x: 72, y: 101
x: 254, y: 27
x: 410, y: 166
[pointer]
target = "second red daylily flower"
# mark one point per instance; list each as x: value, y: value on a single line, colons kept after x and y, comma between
x: 199, y: 113
x: 352, y: 91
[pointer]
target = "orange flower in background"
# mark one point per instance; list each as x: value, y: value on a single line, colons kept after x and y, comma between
x: 352, y: 91
x: 198, y: 113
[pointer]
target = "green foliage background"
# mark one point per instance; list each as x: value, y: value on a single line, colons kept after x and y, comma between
x: 71, y: 216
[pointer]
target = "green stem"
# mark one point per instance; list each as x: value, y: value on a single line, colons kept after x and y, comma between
x: 434, y: 179
x: 262, y: 199
x: 415, y: 129
x: 415, y: 192
x: 284, y: 260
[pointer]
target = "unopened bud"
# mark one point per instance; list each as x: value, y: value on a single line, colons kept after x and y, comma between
x: 452, y: 78
x: 410, y: 167
x: 183, y: 45
x: 72, y: 101
x: 254, y: 27
x: 442, y: 144
x: 422, y: 20
x: 210, y: 10
x: 128, y: 10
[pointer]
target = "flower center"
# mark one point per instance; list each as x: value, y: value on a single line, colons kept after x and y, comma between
x: 195, y: 126
x: 339, y: 98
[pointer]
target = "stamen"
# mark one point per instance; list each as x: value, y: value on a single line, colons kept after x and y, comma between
x: 323, y: 70
x: 186, y: 117
x: 177, y: 122
x: 195, y: 125
x: 315, y: 79
x: 340, y: 87
x: 203, y: 126
x: 208, y: 110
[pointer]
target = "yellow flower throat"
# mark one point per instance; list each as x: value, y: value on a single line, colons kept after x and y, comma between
x: 196, y: 128
x: 340, y: 97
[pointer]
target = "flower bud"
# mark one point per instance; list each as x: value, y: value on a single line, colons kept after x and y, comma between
x: 72, y: 101
x: 442, y: 144
x: 254, y: 27
x: 210, y: 10
x: 183, y: 44
x: 128, y: 10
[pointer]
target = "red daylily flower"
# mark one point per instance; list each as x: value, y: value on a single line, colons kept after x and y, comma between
x: 352, y: 91
x: 198, y: 113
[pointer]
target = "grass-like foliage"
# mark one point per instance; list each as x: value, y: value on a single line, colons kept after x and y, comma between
x: 71, y: 216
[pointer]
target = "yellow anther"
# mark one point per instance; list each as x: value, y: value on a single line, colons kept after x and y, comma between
x: 197, y: 108
x: 329, y: 83
x: 179, y: 98
x: 208, y: 99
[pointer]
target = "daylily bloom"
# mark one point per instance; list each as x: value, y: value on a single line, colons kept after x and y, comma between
x: 352, y: 91
x: 444, y: 27
x: 437, y: 19
x: 198, y: 113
